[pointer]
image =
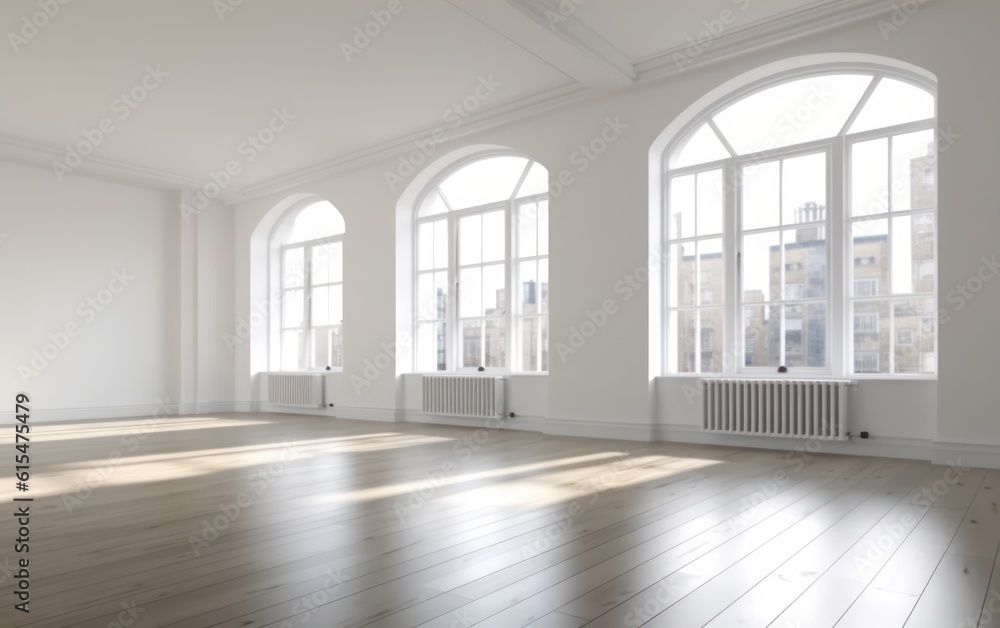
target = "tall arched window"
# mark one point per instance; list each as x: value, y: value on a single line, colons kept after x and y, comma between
x: 309, y: 249
x: 800, y: 229
x: 482, y: 269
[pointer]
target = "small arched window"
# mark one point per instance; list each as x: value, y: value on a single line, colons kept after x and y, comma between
x: 482, y: 271
x: 309, y: 247
x: 800, y: 229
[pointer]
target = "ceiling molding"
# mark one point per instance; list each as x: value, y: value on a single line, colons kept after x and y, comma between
x: 555, y: 36
x: 492, y: 118
x: 43, y: 155
x: 571, y: 33
x: 787, y: 26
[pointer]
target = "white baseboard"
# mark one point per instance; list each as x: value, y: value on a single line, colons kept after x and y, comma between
x: 882, y: 447
x: 523, y: 423
x: 381, y: 415
x: 613, y: 430
x: 982, y: 455
x: 217, y: 407
x: 57, y: 415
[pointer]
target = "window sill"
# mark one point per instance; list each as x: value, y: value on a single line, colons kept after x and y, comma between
x: 483, y: 374
x: 869, y: 377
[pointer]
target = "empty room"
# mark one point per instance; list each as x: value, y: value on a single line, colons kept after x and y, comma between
x: 499, y: 313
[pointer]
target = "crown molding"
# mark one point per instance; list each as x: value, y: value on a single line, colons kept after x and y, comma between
x: 43, y: 155
x: 788, y: 26
x: 498, y: 116
x: 784, y: 27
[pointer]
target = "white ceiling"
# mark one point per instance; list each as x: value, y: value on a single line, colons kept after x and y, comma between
x: 225, y: 75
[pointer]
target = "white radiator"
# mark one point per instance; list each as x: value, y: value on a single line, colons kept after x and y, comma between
x: 300, y: 390
x: 463, y: 396
x: 784, y: 407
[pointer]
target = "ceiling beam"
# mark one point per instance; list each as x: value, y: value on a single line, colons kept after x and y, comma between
x: 555, y: 36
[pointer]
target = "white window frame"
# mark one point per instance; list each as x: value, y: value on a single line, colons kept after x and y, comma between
x: 307, y: 289
x: 840, y: 273
x: 512, y: 317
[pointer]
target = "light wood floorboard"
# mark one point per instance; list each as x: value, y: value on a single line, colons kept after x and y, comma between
x: 347, y: 523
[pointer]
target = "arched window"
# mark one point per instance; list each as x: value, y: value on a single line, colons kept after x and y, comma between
x: 308, y: 244
x: 482, y: 271
x: 801, y: 229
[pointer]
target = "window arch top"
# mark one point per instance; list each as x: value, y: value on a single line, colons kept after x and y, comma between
x: 483, y: 182
x: 801, y: 110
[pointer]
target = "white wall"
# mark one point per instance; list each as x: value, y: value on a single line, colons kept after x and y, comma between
x: 599, y: 233
x: 165, y: 336
x: 64, y: 243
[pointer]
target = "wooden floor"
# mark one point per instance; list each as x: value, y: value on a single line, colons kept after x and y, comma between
x: 284, y: 521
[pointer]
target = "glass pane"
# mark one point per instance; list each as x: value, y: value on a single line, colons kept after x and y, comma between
x: 425, y: 246
x: 682, y: 341
x: 805, y: 335
x: 761, y: 267
x: 870, y: 257
x: 470, y: 240
x: 494, y: 290
x: 791, y: 113
x: 543, y: 228
x: 321, y: 306
x: 528, y: 277
x: 871, y: 336
x: 537, y: 181
x: 710, y: 342
x: 544, y: 325
x: 902, y: 255
x: 336, y: 305
x: 337, y: 344
x: 432, y: 205
x: 472, y: 343
x: 803, y: 189
x: 529, y: 344
x: 293, y: 350
x: 494, y: 236
x: 441, y: 244
x: 496, y: 344
x: 432, y: 295
x: 319, y: 220
x: 484, y: 181
x: 914, y: 322
x: 470, y: 294
x: 699, y: 147
x: 711, y: 272
x: 761, y: 190
x: 805, y: 263
x: 336, y: 262
x: 320, y: 264
x: 894, y: 102
x: 292, y: 302
x: 682, y: 200
x: 543, y: 286
x: 870, y: 177
x: 294, y: 268
x: 914, y: 179
x: 683, y: 274
x: 710, y: 201
x: 527, y: 230
x: 913, y: 264
x: 431, y: 347
x: 328, y: 347
x: 761, y: 329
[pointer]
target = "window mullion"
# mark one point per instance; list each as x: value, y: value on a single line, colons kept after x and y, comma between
x: 733, y: 336
x: 453, y: 338
x: 307, y: 303
x: 838, y: 246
